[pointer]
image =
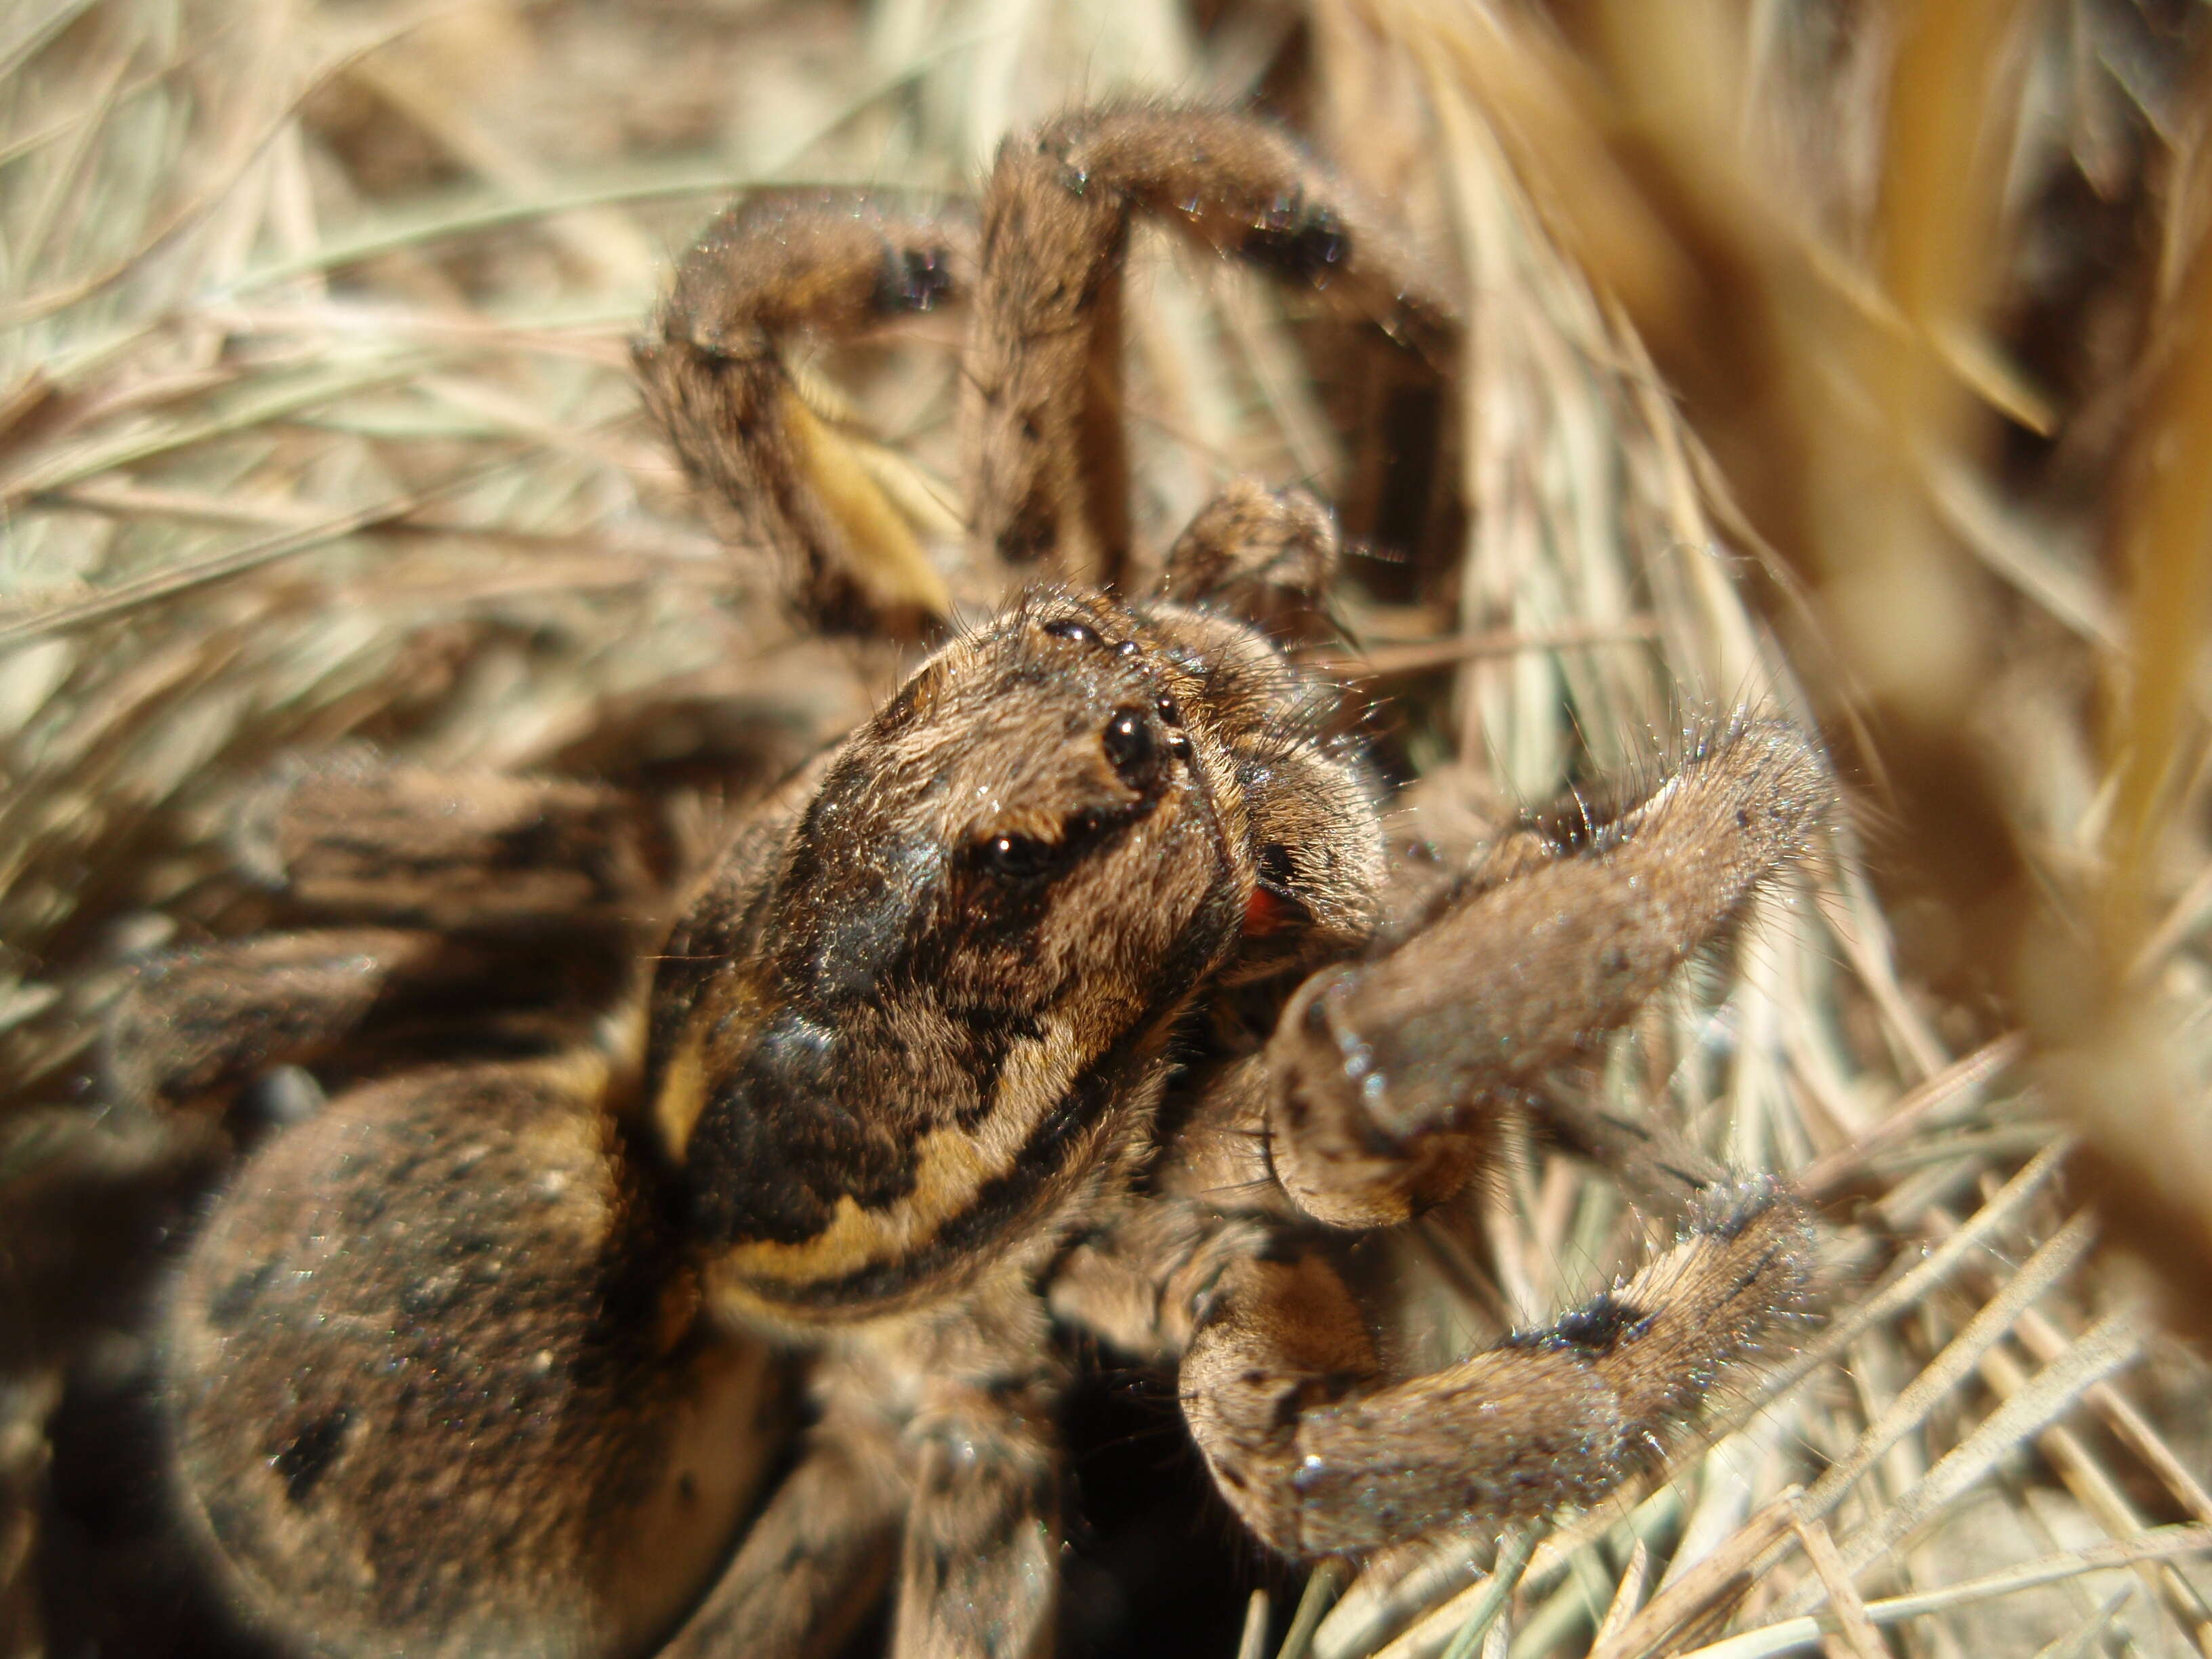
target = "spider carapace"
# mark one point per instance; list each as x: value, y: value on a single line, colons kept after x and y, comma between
x: 1071, y: 991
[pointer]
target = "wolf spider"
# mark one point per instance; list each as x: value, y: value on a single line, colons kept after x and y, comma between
x: 1074, y: 991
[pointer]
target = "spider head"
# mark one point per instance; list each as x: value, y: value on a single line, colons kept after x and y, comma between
x: 1035, y: 821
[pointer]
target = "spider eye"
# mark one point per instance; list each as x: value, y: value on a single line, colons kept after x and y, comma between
x: 1068, y: 628
x: 1131, y: 746
x: 1015, y: 858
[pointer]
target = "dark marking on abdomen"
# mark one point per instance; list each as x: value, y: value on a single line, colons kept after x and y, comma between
x: 303, y: 1459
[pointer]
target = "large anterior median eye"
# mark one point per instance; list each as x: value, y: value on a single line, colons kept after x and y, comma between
x: 1018, y: 858
x: 1131, y: 742
x: 1130, y: 746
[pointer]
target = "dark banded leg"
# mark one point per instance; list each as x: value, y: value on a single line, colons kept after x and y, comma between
x: 526, y: 892
x: 815, y: 1562
x: 979, y: 1574
x: 1044, y: 425
x: 368, y: 841
x: 1047, y: 460
x: 194, y: 1028
x: 1388, y: 1074
x: 1320, y: 1456
x: 1266, y: 556
x: 835, y: 264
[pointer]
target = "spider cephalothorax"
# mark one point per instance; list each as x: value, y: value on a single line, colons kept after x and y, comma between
x: 944, y: 1007
x: 1060, y: 993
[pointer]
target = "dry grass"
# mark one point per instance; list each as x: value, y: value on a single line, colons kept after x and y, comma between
x: 314, y: 425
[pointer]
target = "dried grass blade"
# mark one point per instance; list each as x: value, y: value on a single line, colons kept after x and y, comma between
x: 1785, y: 1634
x: 479, y: 212
x: 1252, y: 1642
x: 1322, y: 1586
x: 2004, y: 1209
x: 2078, y: 1643
x: 182, y: 578
x: 224, y: 176
x: 2003, y: 544
x: 2057, y: 1258
x: 1390, y: 1592
x: 1958, y: 1084
x: 2111, y: 1344
x: 1576, y: 1606
x: 37, y: 32
x: 73, y: 173
x: 1490, y: 1595
x: 1419, y: 656
x: 1713, y: 1581
x: 2045, y: 1341
x: 1462, y: 1623
x: 2100, y: 1495
x: 1859, y: 1630
x: 1627, y: 1597
x: 81, y: 463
